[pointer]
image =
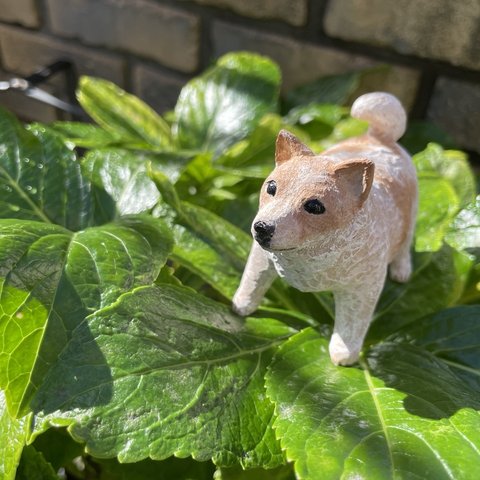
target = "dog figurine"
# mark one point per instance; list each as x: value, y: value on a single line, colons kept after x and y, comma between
x: 336, y: 221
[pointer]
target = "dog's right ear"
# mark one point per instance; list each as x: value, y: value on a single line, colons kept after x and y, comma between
x: 288, y: 146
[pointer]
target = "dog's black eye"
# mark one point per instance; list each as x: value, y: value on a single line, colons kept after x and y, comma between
x: 271, y: 187
x: 314, y: 206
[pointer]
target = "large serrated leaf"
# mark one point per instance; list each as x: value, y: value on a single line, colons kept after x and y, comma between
x: 40, y: 178
x: 398, y: 416
x: 50, y: 278
x: 121, y: 113
x: 223, y: 105
x: 13, y: 433
x: 169, y: 372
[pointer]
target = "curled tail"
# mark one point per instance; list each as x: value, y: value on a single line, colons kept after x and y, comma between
x: 384, y: 113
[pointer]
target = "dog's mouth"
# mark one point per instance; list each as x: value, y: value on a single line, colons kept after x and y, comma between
x: 266, y: 246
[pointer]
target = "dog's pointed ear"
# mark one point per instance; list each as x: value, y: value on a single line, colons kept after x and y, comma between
x: 357, y: 176
x: 288, y: 146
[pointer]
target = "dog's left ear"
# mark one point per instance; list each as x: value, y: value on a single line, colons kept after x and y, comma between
x: 288, y: 146
x: 357, y: 176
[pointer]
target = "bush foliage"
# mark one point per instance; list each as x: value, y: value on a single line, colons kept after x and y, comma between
x: 121, y: 245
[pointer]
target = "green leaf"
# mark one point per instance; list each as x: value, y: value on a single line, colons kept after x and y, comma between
x: 51, y: 278
x: 85, y: 134
x: 452, y: 165
x: 438, y: 205
x: 437, y: 282
x: 317, y: 120
x: 205, y: 243
x: 123, y: 175
x: 40, y: 178
x: 464, y: 231
x: 332, y: 89
x: 452, y: 335
x: 169, y: 372
x: 446, y: 185
x: 205, y: 261
x: 211, y: 247
x: 33, y: 466
x: 223, y: 105
x: 121, y: 113
x: 223, y: 236
x: 166, y: 189
x: 13, y: 434
x: 254, y: 155
x: 400, y: 415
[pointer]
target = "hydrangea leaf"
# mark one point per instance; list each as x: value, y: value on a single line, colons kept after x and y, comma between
x: 224, y: 104
x: 50, y: 278
x: 40, y: 178
x: 399, y: 414
x: 121, y: 113
x: 13, y: 435
x: 437, y: 282
x: 165, y: 371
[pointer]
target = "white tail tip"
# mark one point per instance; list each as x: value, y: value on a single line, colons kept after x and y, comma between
x: 384, y: 113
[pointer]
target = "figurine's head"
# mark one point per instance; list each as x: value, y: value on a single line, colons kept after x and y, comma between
x: 307, y: 196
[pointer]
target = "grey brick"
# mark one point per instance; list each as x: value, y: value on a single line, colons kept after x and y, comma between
x: 401, y: 81
x: 455, y: 107
x: 24, y: 12
x: 144, y: 28
x: 24, y: 51
x: 441, y: 29
x: 302, y: 63
x: 156, y: 88
x: 290, y: 11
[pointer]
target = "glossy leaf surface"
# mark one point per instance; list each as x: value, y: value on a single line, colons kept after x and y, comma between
x: 224, y: 104
x: 50, y: 279
x: 13, y: 433
x: 121, y: 113
x: 398, y: 415
x: 169, y: 372
x: 40, y: 178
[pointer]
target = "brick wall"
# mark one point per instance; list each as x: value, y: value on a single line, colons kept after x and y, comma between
x: 151, y: 47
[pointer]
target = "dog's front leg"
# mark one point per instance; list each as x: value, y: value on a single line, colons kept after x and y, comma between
x: 353, y: 314
x: 257, y: 277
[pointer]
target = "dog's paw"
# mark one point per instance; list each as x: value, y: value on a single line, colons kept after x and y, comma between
x: 242, y: 307
x: 340, y: 353
x: 400, y: 271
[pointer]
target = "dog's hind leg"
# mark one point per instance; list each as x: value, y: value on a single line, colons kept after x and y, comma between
x: 401, y: 266
x: 257, y: 277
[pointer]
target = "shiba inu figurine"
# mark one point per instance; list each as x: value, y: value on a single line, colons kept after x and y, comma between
x: 337, y: 221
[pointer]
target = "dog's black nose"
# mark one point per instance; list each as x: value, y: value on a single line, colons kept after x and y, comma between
x: 263, y: 232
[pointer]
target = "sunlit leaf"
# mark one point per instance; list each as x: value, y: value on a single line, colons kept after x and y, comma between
x: 224, y: 104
